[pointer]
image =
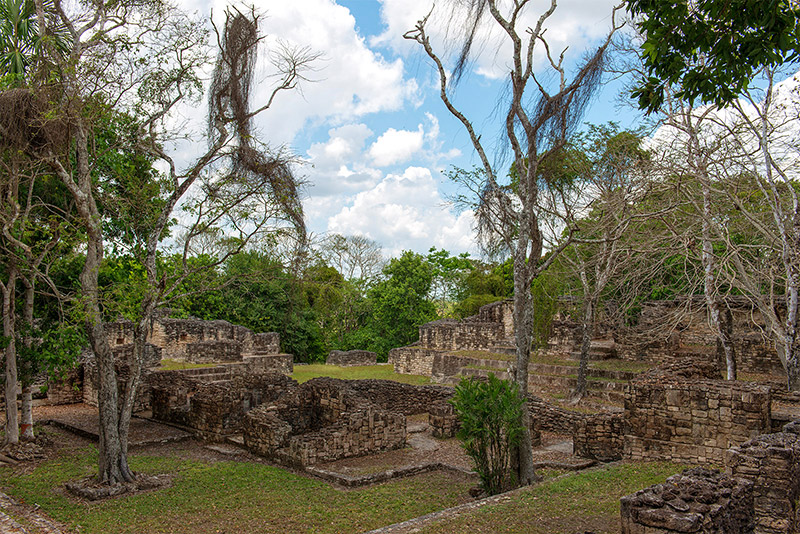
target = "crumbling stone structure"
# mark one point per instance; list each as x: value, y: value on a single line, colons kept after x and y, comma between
x: 599, y: 437
x: 351, y: 358
x: 679, y: 413
x: 213, y: 410
x: 666, y: 330
x: 772, y: 463
x: 322, y: 420
x: 196, y: 341
x: 697, y: 500
x: 491, y: 329
x: 758, y: 494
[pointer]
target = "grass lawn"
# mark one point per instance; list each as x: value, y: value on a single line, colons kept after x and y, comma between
x: 585, y: 501
x: 229, y: 497
x: 385, y: 371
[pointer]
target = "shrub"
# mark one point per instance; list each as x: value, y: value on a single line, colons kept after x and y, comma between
x: 490, y: 413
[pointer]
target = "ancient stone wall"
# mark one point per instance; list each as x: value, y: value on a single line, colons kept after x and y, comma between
x: 351, y: 357
x: 493, y: 326
x: 66, y: 390
x: 413, y: 360
x: 697, y: 500
x: 448, y: 334
x: 324, y: 419
x: 213, y: 410
x: 675, y: 413
x: 407, y: 399
x: 599, y: 437
x: 772, y: 463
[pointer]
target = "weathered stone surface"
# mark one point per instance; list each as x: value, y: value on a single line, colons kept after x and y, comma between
x: 599, y: 437
x: 772, y: 463
x: 322, y: 420
x: 697, y: 500
x: 351, y: 357
x: 213, y: 410
x: 492, y: 326
x: 677, y: 413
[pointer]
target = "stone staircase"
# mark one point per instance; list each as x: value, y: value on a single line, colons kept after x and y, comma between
x: 607, y: 384
x: 599, y: 349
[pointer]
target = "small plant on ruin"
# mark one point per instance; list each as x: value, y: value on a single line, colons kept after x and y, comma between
x: 489, y: 413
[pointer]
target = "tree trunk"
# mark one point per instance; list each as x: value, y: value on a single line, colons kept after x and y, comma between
x: 587, y: 327
x: 113, y: 461
x: 523, y: 321
x: 26, y: 425
x: 11, y: 383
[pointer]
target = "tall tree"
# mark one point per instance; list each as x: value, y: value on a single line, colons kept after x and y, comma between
x: 711, y: 49
x: 144, y: 58
x: 538, y: 122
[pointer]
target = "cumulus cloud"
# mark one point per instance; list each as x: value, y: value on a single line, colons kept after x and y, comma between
x: 396, y: 146
x: 406, y: 211
x: 575, y: 24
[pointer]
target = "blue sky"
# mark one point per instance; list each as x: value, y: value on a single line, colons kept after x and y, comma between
x: 369, y: 129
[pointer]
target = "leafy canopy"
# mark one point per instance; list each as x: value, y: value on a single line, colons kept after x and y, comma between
x: 711, y: 49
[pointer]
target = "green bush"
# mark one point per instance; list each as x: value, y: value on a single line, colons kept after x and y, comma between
x: 490, y: 414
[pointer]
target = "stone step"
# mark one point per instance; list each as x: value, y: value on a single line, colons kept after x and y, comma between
x: 566, y: 382
x: 503, y: 349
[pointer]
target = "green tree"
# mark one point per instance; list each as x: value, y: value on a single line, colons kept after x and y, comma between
x: 489, y: 415
x: 711, y: 49
x: 400, y: 302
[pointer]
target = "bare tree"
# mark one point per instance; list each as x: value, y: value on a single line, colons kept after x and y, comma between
x: 354, y: 256
x: 538, y: 122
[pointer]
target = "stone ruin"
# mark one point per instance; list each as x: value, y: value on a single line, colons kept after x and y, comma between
x: 324, y: 419
x: 697, y: 500
x: 664, y: 332
x: 351, y: 358
x: 683, y: 412
x: 216, y: 410
x: 492, y: 329
x: 758, y: 493
x: 236, y: 348
x: 671, y: 330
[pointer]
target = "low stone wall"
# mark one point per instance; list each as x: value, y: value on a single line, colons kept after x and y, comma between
x: 213, y: 410
x: 407, y: 399
x: 351, y: 357
x: 412, y: 360
x: 599, y: 437
x: 697, y: 500
x: 552, y: 418
x: 213, y: 351
x: 67, y: 390
x: 772, y: 463
x: 322, y: 420
x: 675, y: 414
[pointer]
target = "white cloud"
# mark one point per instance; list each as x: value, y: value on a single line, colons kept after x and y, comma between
x: 574, y: 24
x: 405, y: 211
x: 396, y: 146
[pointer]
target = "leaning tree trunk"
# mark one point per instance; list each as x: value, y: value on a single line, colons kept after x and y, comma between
x: 113, y: 461
x: 11, y: 388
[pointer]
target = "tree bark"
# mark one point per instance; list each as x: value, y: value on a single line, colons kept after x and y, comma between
x: 26, y: 424
x: 11, y: 383
x: 587, y: 326
x: 523, y: 321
